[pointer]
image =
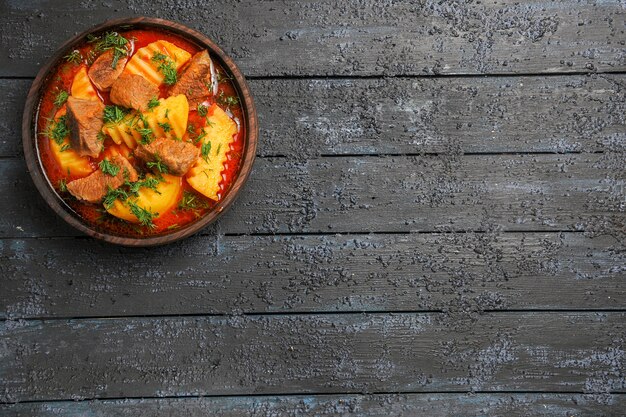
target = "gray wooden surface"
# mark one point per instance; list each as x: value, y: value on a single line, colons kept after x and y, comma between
x: 435, y: 224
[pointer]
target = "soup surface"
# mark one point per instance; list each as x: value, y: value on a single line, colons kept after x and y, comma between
x: 139, y: 132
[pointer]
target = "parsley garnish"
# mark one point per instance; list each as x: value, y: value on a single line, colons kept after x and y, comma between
x: 154, y: 102
x: 109, y: 168
x: 110, y: 41
x: 202, y: 110
x: 114, y: 114
x: 65, y: 147
x: 206, y: 148
x: 61, y: 98
x: 167, y: 68
x: 144, y: 216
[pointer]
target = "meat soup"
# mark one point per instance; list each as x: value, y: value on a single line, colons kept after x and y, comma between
x: 139, y: 132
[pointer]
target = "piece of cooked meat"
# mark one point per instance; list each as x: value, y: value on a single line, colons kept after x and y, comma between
x: 94, y: 187
x: 178, y: 156
x: 132, y: 90
x: 195, y: 81
x: 102, y: 73
x: 85, y: 122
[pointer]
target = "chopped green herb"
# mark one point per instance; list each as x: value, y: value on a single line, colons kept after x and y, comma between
x: 167, y: 112
x: 191, y: 201
x: 165, y: 126
x: 65, y: 147
x: 59, y: 130
x: 228, y: 101
x: 202, y: 110
x: 174, y: 226
x: 74, y: 57
x: 61, y: 98
x: 112, y: 195
x: 154, y: 102
x: 158, y: 164
x: 200, y: 136
x: 144, y: 216
x: 150, y: 183
x: 110, y: 41
x: 146, y: 135
x: 62, y: 185
x: 107, y: 167
x: 218, y: 149
x: 167, y: 68
x: 114, y: 114
x: 206, y: 148
x: 191, y: 128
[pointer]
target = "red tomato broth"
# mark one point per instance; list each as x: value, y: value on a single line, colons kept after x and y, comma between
x: 94, y: 214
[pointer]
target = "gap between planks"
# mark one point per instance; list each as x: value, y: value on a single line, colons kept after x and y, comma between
x: 291, y: 394
x: 308, y: 313
x: 296, y: 234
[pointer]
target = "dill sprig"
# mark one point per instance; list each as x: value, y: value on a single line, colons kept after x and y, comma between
x: 107, y: 167
x: 58, y: 130
x: 144, y: 215
x: 110, y: 41
x: 114, y: 114
x: 205, y: 149
x: 74, y: 57
x: 61, y: 98
x: 167, y: 68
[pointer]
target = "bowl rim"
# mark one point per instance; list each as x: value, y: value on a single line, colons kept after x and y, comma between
x: 29, y: 131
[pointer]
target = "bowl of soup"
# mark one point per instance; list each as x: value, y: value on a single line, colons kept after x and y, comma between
x: 139, y: 131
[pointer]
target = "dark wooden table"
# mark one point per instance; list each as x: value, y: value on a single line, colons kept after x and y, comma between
x: 435, y: 224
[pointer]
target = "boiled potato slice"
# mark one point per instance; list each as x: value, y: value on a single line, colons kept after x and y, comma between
x: 142, y: 63
x: 81, y: 86
x: 173, y: 112
x: 160, y: 201
x: 168, y: 119
x: 124, y: 131
x: 205, y: 176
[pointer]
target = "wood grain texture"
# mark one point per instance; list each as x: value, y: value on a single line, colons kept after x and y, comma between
x: 431, y: 405
x: 272, y: 38
x: 389, y: 194
x: 48, y: 360
x: 461, y: 274
x: 303, y: 118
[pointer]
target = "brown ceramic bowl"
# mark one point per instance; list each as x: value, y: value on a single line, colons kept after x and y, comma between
x: 36, y: 169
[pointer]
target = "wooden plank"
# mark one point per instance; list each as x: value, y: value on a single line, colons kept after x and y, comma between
x: 384, y: 405
x: 327, y: 37
x: 11, y: 107
x: 302, y: 118
x: 443, y: 115
x: 389, y: 194
x: 238, y: 355
x: 460, y: 273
